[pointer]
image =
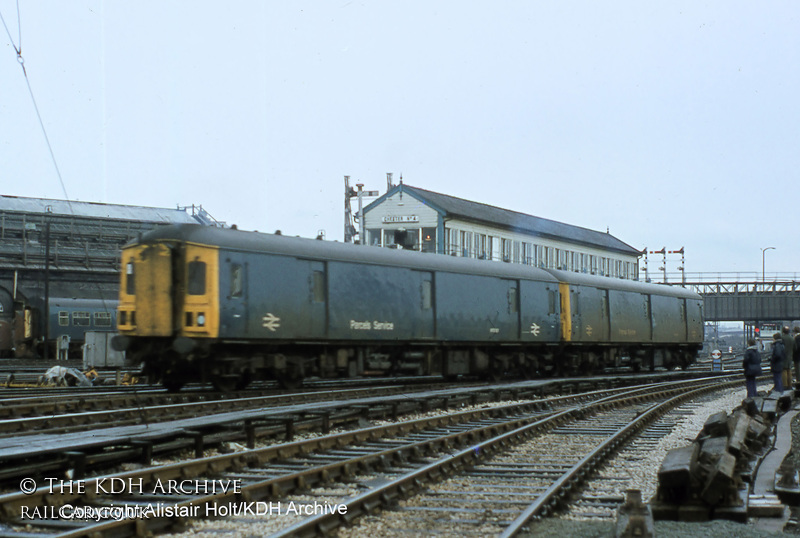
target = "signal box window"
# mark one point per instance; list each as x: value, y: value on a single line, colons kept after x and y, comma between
x: 130, y: 282
x: 237, y: 280
x: 429, y: 240
x: 196, y: 277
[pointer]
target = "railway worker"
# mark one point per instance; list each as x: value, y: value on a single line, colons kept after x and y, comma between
x: 788, y: 346
x: 63, y: 347
x: 796, y: 351
x: 752, y: 367
x: 776, y: 361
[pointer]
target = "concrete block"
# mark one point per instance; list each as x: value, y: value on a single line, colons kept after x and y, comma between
x: 694, y: 512
x: 712, y: 449
x: 675, y: 476
x: 716, y: 425
x: 721, y: 481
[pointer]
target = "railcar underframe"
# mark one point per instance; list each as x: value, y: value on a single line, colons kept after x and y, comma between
x: 231, y: 365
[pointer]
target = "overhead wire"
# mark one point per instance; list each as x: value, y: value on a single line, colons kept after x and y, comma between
x: 21, y: 60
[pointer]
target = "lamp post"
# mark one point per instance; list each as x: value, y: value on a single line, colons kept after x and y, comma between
x: 763, y: 252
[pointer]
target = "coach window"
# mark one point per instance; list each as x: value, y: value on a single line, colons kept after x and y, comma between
x: 196, y: 277
x: 102, y: 319
x: 63, y: 318
x: 81, y: 319
x: 130, y: 287
x: 237, y: 280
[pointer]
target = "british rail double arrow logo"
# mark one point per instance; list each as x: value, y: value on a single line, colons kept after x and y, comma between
x: 271, y: 321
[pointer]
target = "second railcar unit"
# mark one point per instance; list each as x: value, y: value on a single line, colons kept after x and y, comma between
x: 228, y: 306
x: 608, y: 321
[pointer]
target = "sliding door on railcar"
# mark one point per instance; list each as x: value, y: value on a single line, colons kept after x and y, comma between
x: 285, y: 297
x: 590, y: 317
x: 540, y: 311
x: 630, y: 316
x: 669, y: 319
x: 476, y: 308
x: 371, y: 302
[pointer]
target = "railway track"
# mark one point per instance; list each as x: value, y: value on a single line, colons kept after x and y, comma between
x: 359, y: 471
x: 158, y: 431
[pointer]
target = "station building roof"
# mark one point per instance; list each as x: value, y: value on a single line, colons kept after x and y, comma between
x: 467, y: 210
x: 94, y: 210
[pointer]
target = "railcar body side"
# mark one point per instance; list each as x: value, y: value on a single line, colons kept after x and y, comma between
x: 648, y: 325
x: 227, y: 306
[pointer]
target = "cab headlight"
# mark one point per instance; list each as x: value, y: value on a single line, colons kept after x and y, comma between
x: 201, y: 319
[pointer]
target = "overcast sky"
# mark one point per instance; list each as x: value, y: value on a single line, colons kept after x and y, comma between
x: 668, y: 123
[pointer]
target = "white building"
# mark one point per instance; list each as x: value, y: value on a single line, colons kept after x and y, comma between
x: 412, y: 218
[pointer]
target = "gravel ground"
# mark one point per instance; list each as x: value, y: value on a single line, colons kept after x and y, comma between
x: 565, y: 526
x: 712, y: 529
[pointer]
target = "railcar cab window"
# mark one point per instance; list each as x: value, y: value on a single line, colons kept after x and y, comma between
x: 130, y: 282
x: 196, y: 278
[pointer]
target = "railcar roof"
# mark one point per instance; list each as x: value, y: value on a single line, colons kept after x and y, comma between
x: 345, y: 252
x: 622, y: 284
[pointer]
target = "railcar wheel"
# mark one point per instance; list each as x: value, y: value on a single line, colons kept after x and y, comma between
x: 225, y: 383
x: 243, y: 381
x: 289, y: 382
x: 173, y: 384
